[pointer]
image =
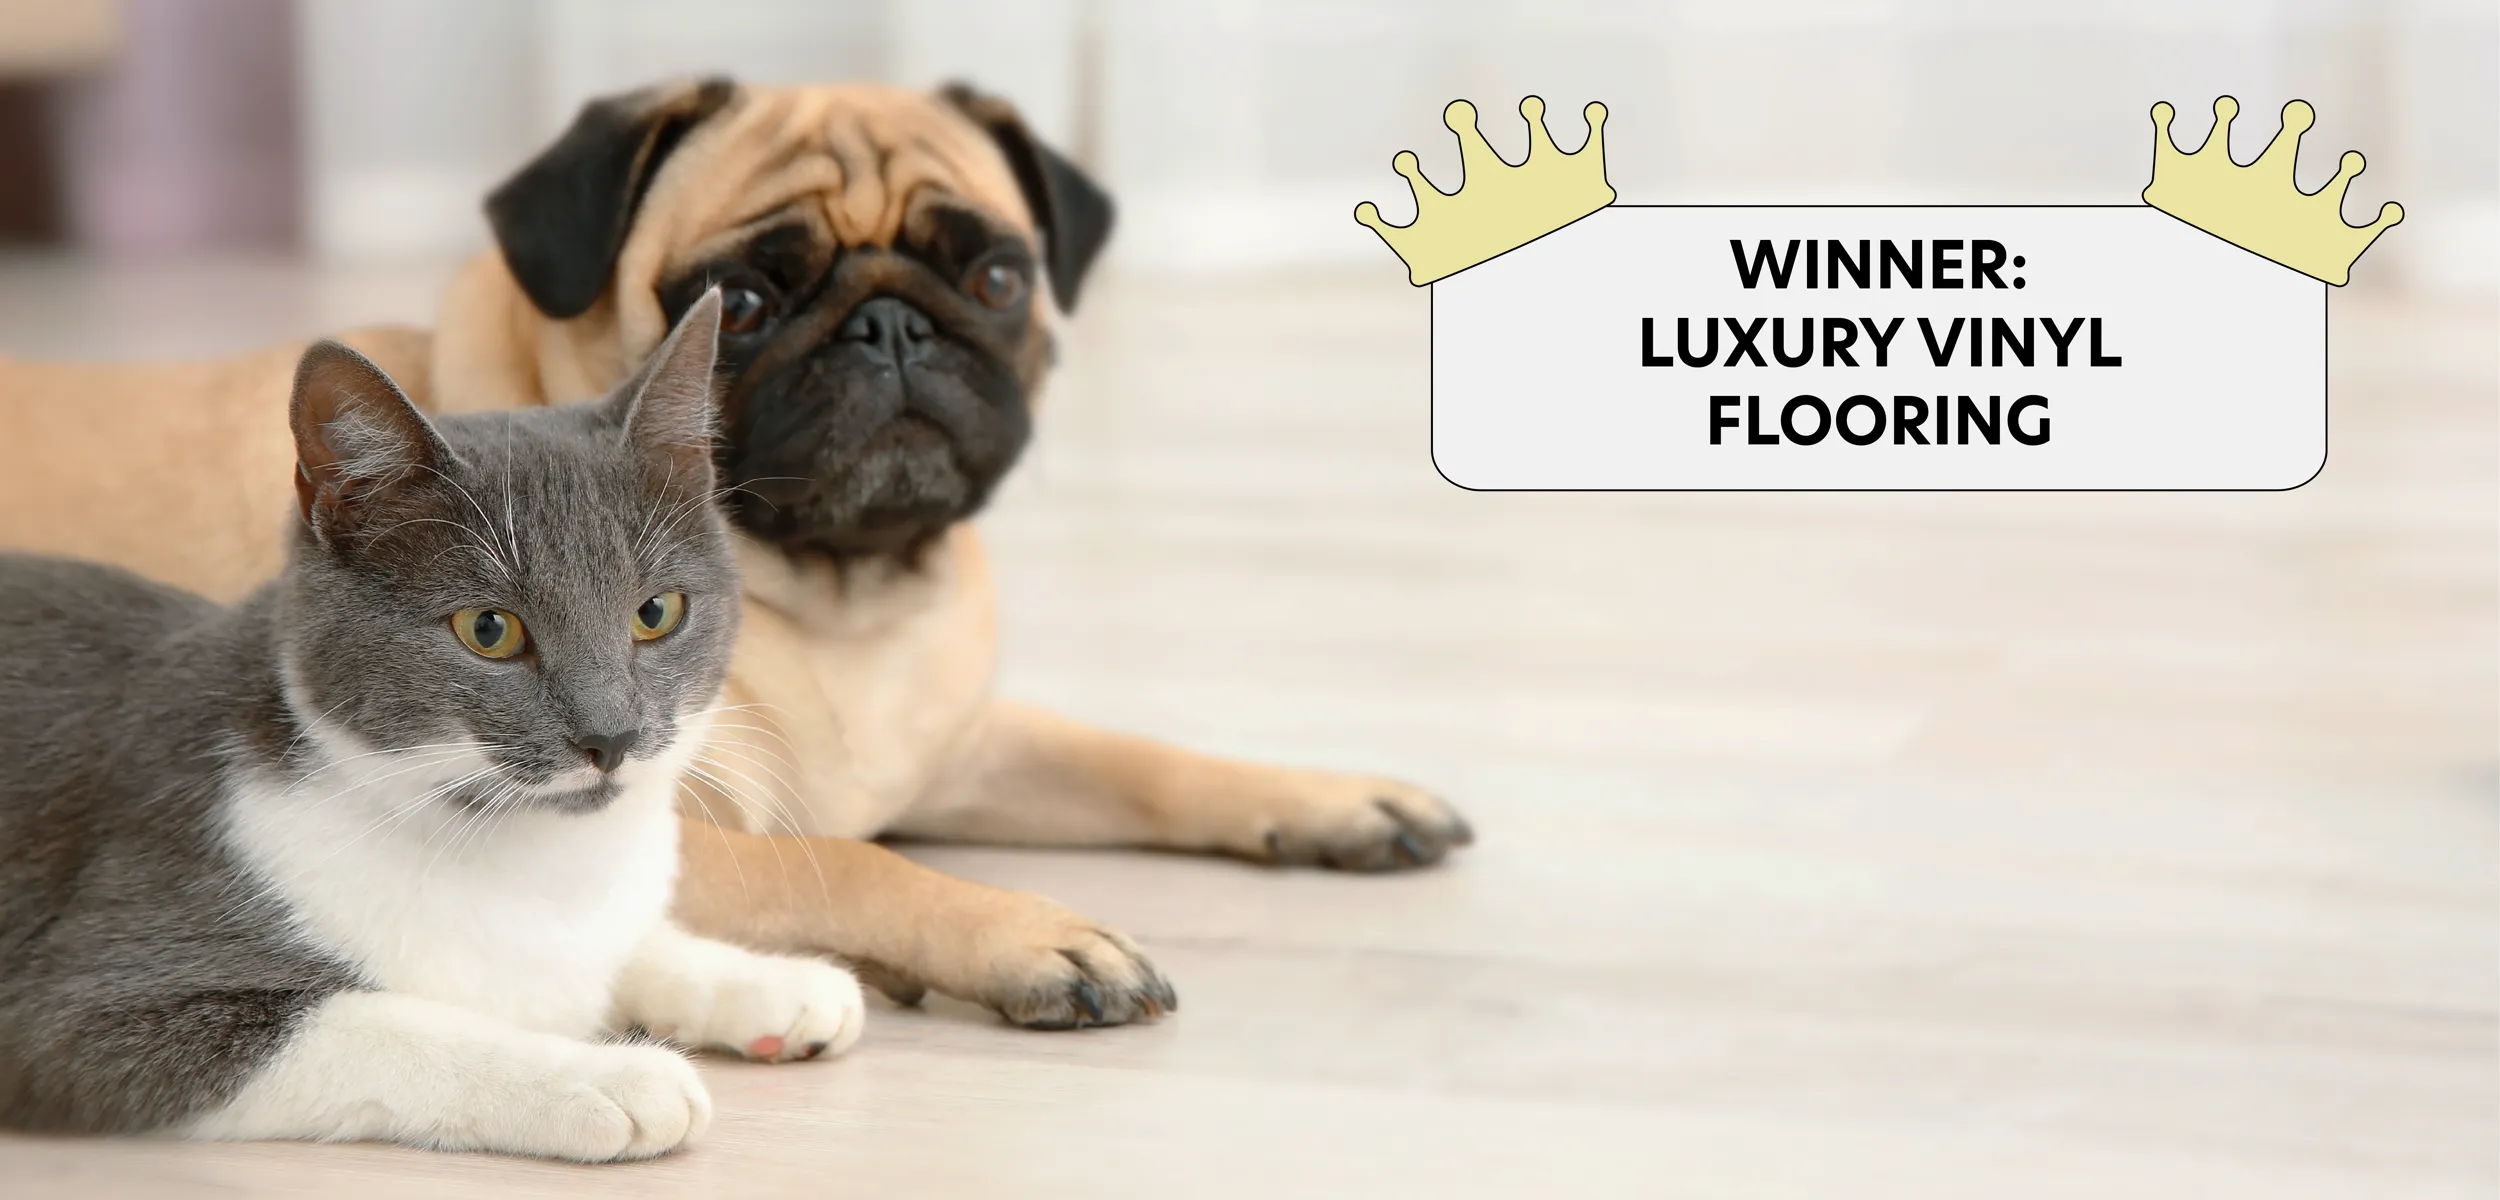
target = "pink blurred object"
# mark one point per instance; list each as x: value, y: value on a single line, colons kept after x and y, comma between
x: 186, y: 142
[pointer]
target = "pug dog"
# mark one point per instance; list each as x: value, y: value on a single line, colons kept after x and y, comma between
x: 893, y: 265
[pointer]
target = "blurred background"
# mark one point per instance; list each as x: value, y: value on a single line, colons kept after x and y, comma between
x: 1239, y: 134
x: 1935, y: 845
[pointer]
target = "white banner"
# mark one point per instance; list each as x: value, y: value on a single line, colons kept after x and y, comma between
x: 1896, y: 348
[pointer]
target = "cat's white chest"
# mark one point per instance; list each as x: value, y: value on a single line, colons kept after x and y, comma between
x: 526, y: 917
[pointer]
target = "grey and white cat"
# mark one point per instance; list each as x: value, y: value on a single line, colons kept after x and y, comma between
x: 377, y: 853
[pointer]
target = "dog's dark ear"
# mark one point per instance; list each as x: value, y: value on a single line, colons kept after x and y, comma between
x: 561, y: 221
x: 1073, y: 212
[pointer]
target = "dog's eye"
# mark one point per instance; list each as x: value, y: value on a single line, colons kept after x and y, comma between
x: 998, y: 285
x: 742, y: 310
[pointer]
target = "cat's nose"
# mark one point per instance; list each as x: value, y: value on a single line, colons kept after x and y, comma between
x: 606, y: 750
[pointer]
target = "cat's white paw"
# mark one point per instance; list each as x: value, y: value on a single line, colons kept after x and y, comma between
x: 615, y: 1102
x: 385, y: 1066
x: 771, y: 1008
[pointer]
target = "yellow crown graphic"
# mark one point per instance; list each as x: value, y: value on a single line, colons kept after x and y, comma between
x: 2259, y: 207
x: 1499, y: 207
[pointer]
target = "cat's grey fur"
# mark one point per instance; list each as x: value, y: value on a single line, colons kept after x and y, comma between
x: 146, y: 971
x: 142, y: 976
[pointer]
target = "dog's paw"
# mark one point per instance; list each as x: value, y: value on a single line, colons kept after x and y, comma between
x: 608, y: 1104
x: 1359, y: 823
x: 1039, y: 965
x: 766, y: 1007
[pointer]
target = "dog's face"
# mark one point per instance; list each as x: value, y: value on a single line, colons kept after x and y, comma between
x: 883, y: 257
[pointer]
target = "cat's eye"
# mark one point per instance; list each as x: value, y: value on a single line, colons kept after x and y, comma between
x: 491, y: 632
x: 658, y: 615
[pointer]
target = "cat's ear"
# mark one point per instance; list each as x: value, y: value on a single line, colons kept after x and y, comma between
x: 669, y: 407
x: 357, y: 439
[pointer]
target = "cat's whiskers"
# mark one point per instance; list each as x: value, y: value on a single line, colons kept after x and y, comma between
x: 785, y: 822
x: 393, y: 816
x: 758, y: 707
x: 772, y: 808
x: 713, y: 499
x: 634, y: 552
x: 759, y: 758
x: 304, y: 729
x: 849, y: 770
x: 335, y: 763
x: 481, y: 543
x: 430, y: 758
x: 712, y: 819
x: 438, y: 557
x: 401, y: 813
x: 426, y: 801
x: 429, y: 761
x: 512, y: 532
x: 712, y: 717
x: 756, y: 793
x: 773, y: 837
x: 471, y: 820
x: 716, y: 496
x: 769, y: 731
x: 507, y: 794
x: 397, y: 812
x: 727, y: 490
x: 745, y: 748
x: 681, y: 512
x: 510, y: 575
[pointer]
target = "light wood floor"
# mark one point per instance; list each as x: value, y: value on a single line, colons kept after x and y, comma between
x: 1832, y: 846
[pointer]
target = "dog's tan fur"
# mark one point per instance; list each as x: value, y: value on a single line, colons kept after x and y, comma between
x: 183, y: 471
x: 861, y: 695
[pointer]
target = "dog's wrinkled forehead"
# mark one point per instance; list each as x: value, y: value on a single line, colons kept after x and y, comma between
x: 857, y: 159
x: 856, y: 165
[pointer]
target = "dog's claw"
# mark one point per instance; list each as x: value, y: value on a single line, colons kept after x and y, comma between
x: 1369, y: 831
x: 1092, y: 977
